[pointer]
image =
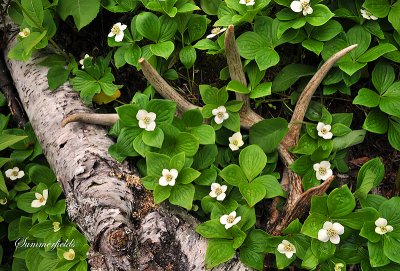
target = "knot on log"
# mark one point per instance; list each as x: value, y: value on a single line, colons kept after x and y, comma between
x: 120, y: 239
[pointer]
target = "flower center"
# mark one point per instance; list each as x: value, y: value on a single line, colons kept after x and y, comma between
x: 305, y: 5
x: 215, y: 30
x: 169, y: 177
x: 331, y: 232
x: 384, y: 229
x: 25, y: 32
x: 218, y: 191
x: 14, y: 173
x: 322, y: 170
x: 324, y: 131
x: 230, y: 219
x: 248, y: 1
x: 115, y: 29
x: 220, y: 115
x: 288, y: 247
x: 41, y: 199
x: 146, y: 120
x: 235, y: 142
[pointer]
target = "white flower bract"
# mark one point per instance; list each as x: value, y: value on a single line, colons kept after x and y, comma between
x: 25, y: 32
x: 302, y: 6
x: 69, y: 255
x: 323, y: 170
x: 247, y: 2
x: 168, y: 177
x: 14, y: 173
x: 368, y: 15
x: 235, y: 141
x: 220, y: 114
x: 324, y: 130
x: 3, y: 201
x: 230, y: 220
x: 330, y: 232
x: 382, y: 226
x: 82, y: 60
x: 118, y: 31
x: 218, y: 191
x: 215, y: 31
x: 40, y: 199
x: 287, y: 248
x: 146, y: 120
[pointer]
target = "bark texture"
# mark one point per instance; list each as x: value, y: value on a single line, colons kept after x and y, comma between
x: 105, y: 198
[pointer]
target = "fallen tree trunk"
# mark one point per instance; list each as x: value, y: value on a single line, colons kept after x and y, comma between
x: 105, y: 198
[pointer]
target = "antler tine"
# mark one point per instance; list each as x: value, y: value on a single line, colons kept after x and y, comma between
x: 292, y: 136
x: 163, y: 88
x: 91, y: 118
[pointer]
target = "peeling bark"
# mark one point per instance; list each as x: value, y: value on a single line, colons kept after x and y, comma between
x: 105, y: 198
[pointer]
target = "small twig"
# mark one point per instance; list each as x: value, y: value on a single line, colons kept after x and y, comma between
x: 13, y: 101
x: 163, y: 88
x: 91, y: 118
x: 292, y: 136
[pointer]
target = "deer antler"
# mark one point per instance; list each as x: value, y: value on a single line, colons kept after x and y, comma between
x: 297, y: 201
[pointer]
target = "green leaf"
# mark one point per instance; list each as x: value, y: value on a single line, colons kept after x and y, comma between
x: 327, y: 31
x: 56, y: 76
x: 250, y: 43
x: 127, y: 114
x: 339, y: 129
x: 187, y: 55
x: 267, y: 58
x: 153, y: 138
x: 83, y: 11
x: 248, y: 215
x: 315, y: 46
x: 271, y: 184
x: 192, y: 118
x: 182, y: 142
x: 390, y: 100
x: 394, y: 16
x: 383, y: 76
x: 394, y: 134
x: 163, y: 49
x: 3, y: 186
x: 196, y: 27
x: 376, y: 167
x: 358, y: 35
x: 262, y: 90
x: 41, y: 174
x: 390, y: 247
x: 168, y: 28
x: 213, y: 96
x: 161, y: 193
x: 289, y: 75
x: 340, y: 202
x: 252, y: 161
x: 380, y: 8
x: 351, y: 139
x: 156, y: 163
x: 178, y: 161
x: 377, y: 255
x: 367, y: 98
x: 213, y: 229
x: 233, y: 175
x: 148, y: 26
x: 376, y: 122
x: 253, y: 192
x: 8, y: 140
x: 188, y: 175
x: 233, y: 122
x: 389, y: 210
x: 376, y: 52
x: 164, y: 110
x: 356, y: 219
x: 268, y: 133
x: 33, y: 9
x: 322, y: 250
x: 238, y: 87
x: 182, y: 195
x: 313, y: 224
x: 321, y: 14
x: 204, y: 133
x: 205, y: 157
x: 219, y: 251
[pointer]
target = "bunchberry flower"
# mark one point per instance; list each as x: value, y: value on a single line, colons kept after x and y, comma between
x: 368, y: 15
x: 330, y: 232
x: 3, y: 201
x: 168, y: 177
x: 302, y: 6
x: 69, y: 255
x: 338, y: 266
x: 323, y: 170
x: 56, y: 226
x: 118, y: 31
x: 146, y: 120
x: 40, y: 199
x: 324, y: 130
x: 247, y: 2
x: 25, y: 32
x: 287, y: 248
x: 218, y: 191
x: 14, y: 173
x: 382, y: 226
x: 220, y: 114
x: 235, y: 141
x: 230, y: 220
x: 216, y: 31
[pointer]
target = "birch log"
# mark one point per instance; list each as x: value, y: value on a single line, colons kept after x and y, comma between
x: 105, y: 198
